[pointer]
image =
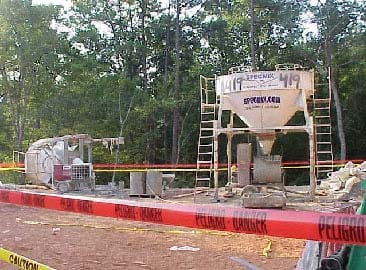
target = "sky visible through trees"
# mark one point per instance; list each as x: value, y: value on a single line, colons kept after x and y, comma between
x: 139, y: 62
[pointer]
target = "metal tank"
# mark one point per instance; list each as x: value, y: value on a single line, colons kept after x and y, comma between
x: 40, y: 158
x: 45, y: 157
x: 137, y: 183
x: 154, y: 183
x: 265, y: 100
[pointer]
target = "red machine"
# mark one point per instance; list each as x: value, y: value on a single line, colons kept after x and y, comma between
x: 73, y: 177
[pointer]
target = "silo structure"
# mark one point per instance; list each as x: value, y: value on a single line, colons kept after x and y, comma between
x: 265, y: 101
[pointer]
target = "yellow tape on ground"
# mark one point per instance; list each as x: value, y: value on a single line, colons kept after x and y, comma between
x: 134, y: 229
x: 21, y: 262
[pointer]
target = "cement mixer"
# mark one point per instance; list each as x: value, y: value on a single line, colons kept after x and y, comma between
x: 64, y: 163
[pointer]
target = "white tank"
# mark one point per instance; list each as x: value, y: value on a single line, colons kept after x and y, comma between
x: 40, y: 158
x: 265, y: 100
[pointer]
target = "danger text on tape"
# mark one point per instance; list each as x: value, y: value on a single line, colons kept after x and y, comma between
x: 327, y: 227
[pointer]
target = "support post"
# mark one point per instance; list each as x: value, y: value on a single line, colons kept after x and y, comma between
x: 252, y: 37
x: 66, y: 151
x: 228, y: 153
x: 90, y: 153
x: 312, y: 149
x: 229, y: 147
x: 81, y: 148
x: 216, y: 162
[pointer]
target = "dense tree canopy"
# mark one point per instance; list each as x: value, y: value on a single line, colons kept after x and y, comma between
x: 132, y: 67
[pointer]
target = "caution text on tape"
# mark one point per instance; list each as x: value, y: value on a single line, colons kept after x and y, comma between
x: 21, y: 262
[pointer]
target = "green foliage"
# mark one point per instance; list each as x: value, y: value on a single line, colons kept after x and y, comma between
x: 120, y: 80
x: 28, y: 69
x: 352, y: 76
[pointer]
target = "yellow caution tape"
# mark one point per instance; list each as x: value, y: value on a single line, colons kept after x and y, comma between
x: 176, y: 169
x: 162, y: 170
x: 23, y: 263
x: 267, y: 248
x: 29, y: 222
x: 12, y: 169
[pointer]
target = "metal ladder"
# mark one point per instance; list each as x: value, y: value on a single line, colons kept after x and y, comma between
x: 323, y: 136
x: 204, y: 169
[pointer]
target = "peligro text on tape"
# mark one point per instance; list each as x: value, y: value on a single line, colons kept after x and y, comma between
x: 32, y: 200
x: 4, y: 196
x: 146, y: 214
x: 82, y: 206
x: 348, y: 228
x: 251, y: 221
x: 67, y: 204
x: 21, y: 262
x: 210, y: 218
x: 328, y: 227
x: 85, y: 206
x: 125, y: 211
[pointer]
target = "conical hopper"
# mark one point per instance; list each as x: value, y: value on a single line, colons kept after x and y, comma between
x: 265, y: 100
x: 266, y: 141
x: 264, y: 109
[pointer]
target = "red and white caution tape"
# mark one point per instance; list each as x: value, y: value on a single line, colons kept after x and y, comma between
x: 325, y: 227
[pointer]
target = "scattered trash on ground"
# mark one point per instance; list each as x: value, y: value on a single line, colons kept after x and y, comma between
x: 184, y: 248
x: 55, y: 230
x: 17, y: 239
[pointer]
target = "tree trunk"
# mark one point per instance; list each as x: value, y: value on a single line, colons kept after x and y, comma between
x: 14, y: 103
x: 338, y: 106
x: 19, y: 101
x: 334, y: 89
x: 18, y: 127
x: 181, y: 139
x: 252, y: 37
x: 150, y: 140
x: 166, y: 117
x: 176, y: 88
x: 129, y: 52
x: 143, y: 43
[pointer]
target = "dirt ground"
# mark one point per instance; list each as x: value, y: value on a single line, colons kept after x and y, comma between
x: 72, y: 241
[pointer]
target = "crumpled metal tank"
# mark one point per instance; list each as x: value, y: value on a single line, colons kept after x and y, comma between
x: 40, y: 158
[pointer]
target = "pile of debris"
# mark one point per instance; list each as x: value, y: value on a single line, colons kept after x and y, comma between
x: 345, y: 180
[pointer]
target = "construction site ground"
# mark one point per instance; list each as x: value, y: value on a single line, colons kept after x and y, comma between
x: 72, y: 241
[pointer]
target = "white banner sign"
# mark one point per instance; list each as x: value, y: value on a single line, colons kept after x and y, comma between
x: 265, y: 80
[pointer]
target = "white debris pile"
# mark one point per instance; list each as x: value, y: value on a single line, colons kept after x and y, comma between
x: 344, y: 179
x: 8, y: 186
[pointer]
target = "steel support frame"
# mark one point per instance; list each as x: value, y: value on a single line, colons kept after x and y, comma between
x: 231, y: 131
